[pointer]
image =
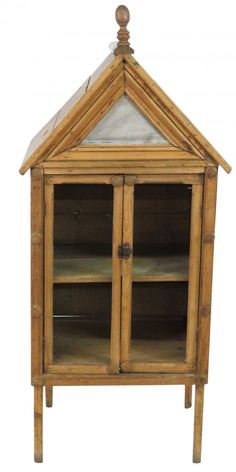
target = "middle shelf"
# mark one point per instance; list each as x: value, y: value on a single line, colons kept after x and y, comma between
x: 82, y: 269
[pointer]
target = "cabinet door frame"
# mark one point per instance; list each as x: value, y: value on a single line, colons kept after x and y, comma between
x: 49, y: 183
x: 189, y: 365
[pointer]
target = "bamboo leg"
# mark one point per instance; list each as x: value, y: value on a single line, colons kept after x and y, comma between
x: 38, y: 424
x: 49, y: 395
x: 198, y: 416
x: 188, y: 396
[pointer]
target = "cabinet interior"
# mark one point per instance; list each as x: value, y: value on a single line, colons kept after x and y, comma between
x: 83, y: 226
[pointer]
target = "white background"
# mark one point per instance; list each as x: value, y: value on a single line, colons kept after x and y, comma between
x: 48, y: 48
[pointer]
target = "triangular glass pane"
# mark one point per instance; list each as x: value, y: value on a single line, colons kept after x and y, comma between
x: 124, y: 123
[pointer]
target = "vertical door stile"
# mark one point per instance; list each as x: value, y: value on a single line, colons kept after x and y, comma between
x: 117, y: 182
x: 128, y: 216
x: 194, y: 272
x: 48, y: 275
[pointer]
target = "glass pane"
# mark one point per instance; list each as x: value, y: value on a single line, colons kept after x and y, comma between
x: 124, y: 123
x: 160, y: 272
x: 82, y: 323
x: 83, y: 216
x: 159, y: 321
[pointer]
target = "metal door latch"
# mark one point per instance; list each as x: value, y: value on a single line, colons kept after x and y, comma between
x: 125, y: 251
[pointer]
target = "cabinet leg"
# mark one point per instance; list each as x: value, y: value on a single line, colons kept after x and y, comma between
x: 38, y: 424
x: 188, y: 396
x: 198, y: 417
x: 49, y: 395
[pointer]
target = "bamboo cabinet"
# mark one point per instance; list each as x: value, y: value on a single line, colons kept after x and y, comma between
x: 123, y: 215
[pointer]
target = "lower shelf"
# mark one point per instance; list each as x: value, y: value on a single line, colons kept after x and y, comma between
x: 146, y: 350
x: 81, y: 341
x: 78, y: 341
x: 158, y: 341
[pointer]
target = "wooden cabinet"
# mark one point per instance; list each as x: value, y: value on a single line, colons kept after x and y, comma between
x: 123, y: 214
x: 121, y: 245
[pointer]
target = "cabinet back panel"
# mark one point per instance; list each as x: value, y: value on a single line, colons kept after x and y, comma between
x: 83, y: 214
x: 84, y: 300
x: 161, y: 218
x: 159, y: 300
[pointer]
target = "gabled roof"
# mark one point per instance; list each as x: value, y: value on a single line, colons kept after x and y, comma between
x: 120, y: 74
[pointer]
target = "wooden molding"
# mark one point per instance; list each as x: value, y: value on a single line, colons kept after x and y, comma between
x: 201, y: 379
x: 211, y: 172
x: 36, y: 272
x: 116, y: 153
x: 36, y: 311
x: 107, y: 379
x: 205, y: 311
x: 36, y: 238
x: 117, y: 181
x: 130, y: 180
x: 209, y: 237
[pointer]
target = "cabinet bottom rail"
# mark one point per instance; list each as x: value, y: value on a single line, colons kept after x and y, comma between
x: 119, y: 379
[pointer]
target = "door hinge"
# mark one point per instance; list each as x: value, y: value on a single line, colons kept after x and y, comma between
x: 125, y: 251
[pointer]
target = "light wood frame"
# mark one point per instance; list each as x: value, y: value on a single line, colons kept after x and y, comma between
x: 194, y: 268
x: 195, y: 370
x: 113, y: 366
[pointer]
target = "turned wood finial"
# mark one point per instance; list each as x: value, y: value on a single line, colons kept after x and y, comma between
x: 122, y: 19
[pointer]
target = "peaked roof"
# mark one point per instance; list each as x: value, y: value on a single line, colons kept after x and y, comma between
x: 118, y: 75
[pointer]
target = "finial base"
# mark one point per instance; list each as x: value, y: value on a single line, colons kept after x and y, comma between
x: 123, y: 50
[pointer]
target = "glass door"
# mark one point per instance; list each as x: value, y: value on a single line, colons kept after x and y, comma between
x: 83, y: 228
x: 162, y: 226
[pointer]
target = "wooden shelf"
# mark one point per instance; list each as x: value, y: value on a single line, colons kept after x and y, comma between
x: 78, y: 341
x: 82, y: 269
x: 161, y: 340
x: 160, y: 269
x: 99, y: 269
x: 164, y: 350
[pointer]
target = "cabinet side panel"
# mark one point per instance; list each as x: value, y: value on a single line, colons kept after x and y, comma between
x: 209, y: 210
x: 36, y: 272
